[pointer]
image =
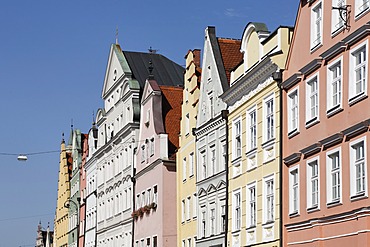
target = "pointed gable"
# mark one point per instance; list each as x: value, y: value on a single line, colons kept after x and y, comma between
x: 116, y: 68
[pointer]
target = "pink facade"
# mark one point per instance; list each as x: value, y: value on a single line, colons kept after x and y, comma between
x: 326, y: 112
x: 155, y: 191
x: 85, y: 151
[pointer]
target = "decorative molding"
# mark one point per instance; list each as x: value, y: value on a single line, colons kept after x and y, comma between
x: 333, y: 51
x: 311, y: 67
x: 314, y: 148
x: 291, y: 159
x: 356, y: 129
x: 331, y: 140
x: 357, y: 35
x: 291, y: 81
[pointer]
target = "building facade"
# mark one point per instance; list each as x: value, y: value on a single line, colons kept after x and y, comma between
x: 61, y: 213
x: 44, y: 238
x: 186, y: 155
x: 219, y: 56
x: 253, y: 101
x: 325, y: 126
x: 82, y: 190
x: 155, y: 188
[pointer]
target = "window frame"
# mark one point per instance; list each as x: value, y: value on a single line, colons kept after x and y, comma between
x: 292, y: 130
x: 359, y: 13
x: 266, y: 123
x: 251, y: 211
x: 294, y: 183
x: 268, y: 218
x: 252, y: 129
x: 337, y: 23
x: 355, y: 194
x: 311, y: 177
x: 236, y: 210
x: 354, y: 97
x: 332, y: 108
x: 312, y: 119
x: 316, y: 41
x: 329, y: 174
x: 237, y: 138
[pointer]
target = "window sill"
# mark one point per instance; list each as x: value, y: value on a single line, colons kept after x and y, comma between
x: 268, y: 143
x: 361, y: 14
x: 252, y: 227
x: 333, y: 203
x: 357, y: 98
x: 251, y: 152
x: 359, y: 196
x: 236, y: 160
x: 268, y: 223
x: 313, y: 209
x: 316, y: 47
x: 334, y: 110
x: 312, y: 122
x: 294, y: 214
x: 293, y: 133
x: 337, y: 31
x: 235, y: 231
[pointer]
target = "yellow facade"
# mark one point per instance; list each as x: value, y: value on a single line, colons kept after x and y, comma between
x: 186, y: 155
x: 61, y: 213
x: 258, y: 165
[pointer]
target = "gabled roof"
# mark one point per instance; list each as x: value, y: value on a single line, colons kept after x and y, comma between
x: 171, y: 110
x: 166, y: 72
x: 231, y: 55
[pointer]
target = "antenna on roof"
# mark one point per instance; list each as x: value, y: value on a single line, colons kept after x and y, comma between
x: 152, y: 51
x: 116, y: 35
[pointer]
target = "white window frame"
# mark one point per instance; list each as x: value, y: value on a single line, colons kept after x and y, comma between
x: 212, y: 220
x: 316, y: 25
x: 188, y: 208
x: 313, y: 182
x: 329, y: 175
x: 268, y: 213
x: 237, y: 138
x: 183, y: 207
x: 269, y: 118
x: 213, y: 159
x: 203, y: 165
x: 361, y: 7
x: 251, y: 205
x: 334, y: 83
x: 187, y: 124
x: 294, y: 190
x: 184, y: 169
x: 236, y: 210
x: 195, y: 205
x: 312, y: 97
x: 252, y: 128
x: 362, y: 163
x: 293, y: 128
x: 353, y: 96
x: 337, y: 23
x: 191, y: 164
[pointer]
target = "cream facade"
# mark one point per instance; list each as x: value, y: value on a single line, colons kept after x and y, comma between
x: 254, y: 138
x: 186, y: 155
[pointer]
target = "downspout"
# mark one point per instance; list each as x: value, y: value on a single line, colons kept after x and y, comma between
x: 224, y: 114
x: 133, y: 180
x: 277, y: 76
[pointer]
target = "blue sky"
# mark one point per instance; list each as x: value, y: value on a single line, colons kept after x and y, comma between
x: 53, y: 56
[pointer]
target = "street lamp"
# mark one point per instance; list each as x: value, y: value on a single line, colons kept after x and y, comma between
x: 67, y: 204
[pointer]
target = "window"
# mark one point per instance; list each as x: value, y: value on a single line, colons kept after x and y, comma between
x: 252, y: 128
x: 184, y: 169
x: 188, y: 208
x: 211, y: 105
x: 236, y: 210
x: 269, y: 118
x: 337, y: 22
x: 358, y: 168
x: 333, y: 165
x: 312, y: 100
x: 294, y: 190
x: 213, y: 159
x: 268, y: 199
x: 203, y: 222
x: 293, y: 112
x: 223, y: 218
x: 152, y: 146
x: 148, y: 242
x: 316, y: 25
x: 155, y: 241
x: 204, y: 164
x: 143, y: 157
x: 183, y: 211
x: 251, y: 205
x: 358, y: 77
x: 189, y: 242
x: 361, y: 7
x: 213, y: 219
x: 224, y: 156
x: 237, y: 139
x: 313, y: 184
x: 334, y: 86
x: 155, y: 194
x: 191, y: 164
x: 187, y: 124
x: 194, y: 205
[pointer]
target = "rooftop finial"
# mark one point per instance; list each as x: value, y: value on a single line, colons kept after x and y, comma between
x: 116, y: 35
x: 150, y: 68
x: 62, y: 137
x: 71, y: 123
x: 93, y: 118
x: 152, y: 51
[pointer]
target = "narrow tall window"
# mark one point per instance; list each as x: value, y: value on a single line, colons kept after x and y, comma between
x: 187, y: 124
x: 334, y: 177
x: 213, y: 160
x: 312, y: 184
x: 334, y: 86
x: 293, y: 111
x: 191, y: 164
x: 336, y: 20
x: 294, y: 191
x: 203, y: 223
x: 316, y: 25
x: 269, y: 199
x: 213, y: 219
x: 252, y: 129
x: 312, y: 102
x: 358, y: 168
x: 237, y: 140
x: 270, y: 119
x: 251, y: 221
x: 184, y: 169
x: 223, y: 218
x: 359, y: 71
x: 204, y: 164
x: 361, y: 6
x: 183, y: 211
x: 188, y: 208
x: 237, y: 211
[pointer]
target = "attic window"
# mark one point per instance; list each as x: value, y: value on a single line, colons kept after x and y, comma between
x: 147, y: 118
x: 115, y: 75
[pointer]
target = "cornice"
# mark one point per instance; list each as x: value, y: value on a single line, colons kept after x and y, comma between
x: 310, y: 150
x: 312, y: 66
x: 333, y: 51
x: 331, y: 140
x: 209, y: 126
x: 291, y: 159
x: 291, y: 81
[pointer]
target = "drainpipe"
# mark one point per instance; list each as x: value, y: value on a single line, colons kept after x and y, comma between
x: 277, y: 76
x: 133, y: 180
x: 224, y: 114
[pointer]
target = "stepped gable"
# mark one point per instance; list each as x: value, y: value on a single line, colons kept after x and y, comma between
x: 231, y: 55
x: 166, y: 72
x: 171, y: 110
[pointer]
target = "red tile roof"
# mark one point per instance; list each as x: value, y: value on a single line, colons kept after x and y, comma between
x: 231, y: 55
x: 171, y: 109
